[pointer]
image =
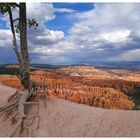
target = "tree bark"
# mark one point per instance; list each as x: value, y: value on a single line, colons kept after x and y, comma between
x: 25, y: 71
x: 14, y: 38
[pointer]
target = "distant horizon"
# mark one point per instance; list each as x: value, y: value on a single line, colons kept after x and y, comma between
x: 75, y: 63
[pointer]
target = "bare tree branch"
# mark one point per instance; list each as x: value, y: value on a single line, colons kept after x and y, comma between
x: 15, y: 19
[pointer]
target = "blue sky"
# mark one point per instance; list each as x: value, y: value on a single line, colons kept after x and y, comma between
x: 71, y: 33
x: 75, y: 6
x: 64, y: 21
x: 2, y: 23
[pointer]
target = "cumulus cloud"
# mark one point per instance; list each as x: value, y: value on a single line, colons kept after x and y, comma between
x: 6, y: 49
x: 112, y: 16
x: 46, y: 37
x: 40, y: 11
x: 95, y: 39
x: 108, y: 32
x: 5, y: 38
x: 116, y: 36
x: 43, y: 37
x: 65, y: 10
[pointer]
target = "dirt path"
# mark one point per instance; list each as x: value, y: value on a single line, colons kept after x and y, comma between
x: 66, y: 119
x: 63, y: 118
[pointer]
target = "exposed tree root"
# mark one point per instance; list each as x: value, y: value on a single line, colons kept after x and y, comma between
x: 15, y: 112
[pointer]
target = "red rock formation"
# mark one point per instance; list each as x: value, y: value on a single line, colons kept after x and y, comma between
x: 98, y: 93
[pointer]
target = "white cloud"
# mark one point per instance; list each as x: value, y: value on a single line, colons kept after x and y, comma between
x: 47, y: 51
x: 43, y: 12
x: 40, y: 11
x: 38, y: 39
x: 102, y: 28
x: 116, y: 36
x: 79, y: 29
x: 50, y: 36
x: 103, y: 33
x: 5, y: 38
x: 65, y: 10
x: 108, y: 16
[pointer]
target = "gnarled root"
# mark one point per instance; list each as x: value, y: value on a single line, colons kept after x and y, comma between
x: 15, y: 109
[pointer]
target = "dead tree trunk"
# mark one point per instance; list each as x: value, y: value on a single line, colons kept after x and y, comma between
x: 14, y: 38
x: 22, y: 56
x: 15, y: 107
x: 25, y: 71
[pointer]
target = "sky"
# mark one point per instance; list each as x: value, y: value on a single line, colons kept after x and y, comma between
x: 77, y: 33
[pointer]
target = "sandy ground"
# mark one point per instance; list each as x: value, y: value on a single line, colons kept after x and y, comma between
x: 66, y: 119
